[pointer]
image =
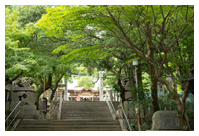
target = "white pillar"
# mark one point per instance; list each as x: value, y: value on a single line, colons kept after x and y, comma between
x: 111, y: 95
x: 66, y: 90
x: 66, y: 93
x: 101, y: 85
x: 117, y: 96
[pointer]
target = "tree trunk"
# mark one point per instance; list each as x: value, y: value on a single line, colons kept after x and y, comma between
x: 131, y: 76
x: 52, y: 94
x: 55, y: 88
x: 39, y: 92
x: 180, y: 106
x: 139, y: 78
x: 181, y: 114
x: 154, y: 94
x: 122, y: 90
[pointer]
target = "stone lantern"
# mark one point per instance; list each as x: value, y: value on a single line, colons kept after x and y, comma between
x: 24, y: 86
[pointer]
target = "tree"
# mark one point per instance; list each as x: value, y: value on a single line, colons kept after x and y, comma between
x: 149, y: 31
x: 18, y: 60
x: 29, y: 49
x: 86, y: 82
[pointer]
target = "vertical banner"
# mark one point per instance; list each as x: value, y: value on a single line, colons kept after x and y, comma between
x: 101, y: 85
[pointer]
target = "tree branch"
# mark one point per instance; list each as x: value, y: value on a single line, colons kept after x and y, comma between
x: 10, y: 81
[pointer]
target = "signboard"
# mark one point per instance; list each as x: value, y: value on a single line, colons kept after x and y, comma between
x: 160, y: 87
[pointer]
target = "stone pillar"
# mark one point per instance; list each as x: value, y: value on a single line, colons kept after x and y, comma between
x: 66, y: 92
x: 96, y: 98
x: 111, y: 95
x: 117, y: 96
x: 101, y: 85
x: 92, y: 99
x: 71, y: 98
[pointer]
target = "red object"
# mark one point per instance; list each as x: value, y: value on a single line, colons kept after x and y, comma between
x: 77, y: 99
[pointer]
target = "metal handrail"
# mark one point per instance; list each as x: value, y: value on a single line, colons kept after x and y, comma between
x: 110, y: 104
x: 112, y: 109
x: 60, y: 106
x: 125, y: 117
x: 11, y: 114
x: 13, y: 119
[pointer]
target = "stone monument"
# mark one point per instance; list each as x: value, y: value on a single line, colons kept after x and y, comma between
x: 165, y: 120
x: 24, y: 86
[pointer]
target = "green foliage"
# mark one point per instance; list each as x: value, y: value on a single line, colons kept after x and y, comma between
x: 50, y: 40
x: 82, y: 53
x: 86, y: 82
x: 172, y: 95
x: 165, y: 101
x: 189, y: 109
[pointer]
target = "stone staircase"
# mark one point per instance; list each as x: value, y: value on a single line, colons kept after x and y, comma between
x: 76, y: 116
x: 85, y: 110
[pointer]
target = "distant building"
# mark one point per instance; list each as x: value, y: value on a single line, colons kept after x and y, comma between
x: 71, y: 91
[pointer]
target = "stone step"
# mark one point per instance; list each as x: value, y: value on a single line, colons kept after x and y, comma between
x: 40, y: 120
x: 81, y: 102
x: 81, y: 105
x: 70, y: 123
x: 86, y: 114
x: 76, y: 116
x: 77, y: 112
x: 84, y: 101
x: 84, y: 106
x: 65, y: 108
x: 69, y: 129
x: 68, y: 126
x: 98, y: 118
